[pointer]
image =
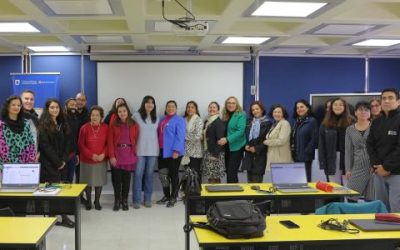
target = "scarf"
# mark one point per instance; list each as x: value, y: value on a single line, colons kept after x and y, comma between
x: 15, y: 126
x: 189, y: 124
x: 210, y: 120
x: 255, y: 127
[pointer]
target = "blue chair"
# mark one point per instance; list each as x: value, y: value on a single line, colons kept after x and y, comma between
x: 353, y: 208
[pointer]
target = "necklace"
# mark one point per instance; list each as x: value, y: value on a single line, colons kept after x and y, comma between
x: 95, y: 131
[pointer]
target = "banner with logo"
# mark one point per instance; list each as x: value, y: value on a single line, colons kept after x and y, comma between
x: 45, y: 85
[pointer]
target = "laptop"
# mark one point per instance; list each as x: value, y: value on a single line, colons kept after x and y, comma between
x: 371, y: 225
x: 290, y: 178
x: 20, y: 178
x: 224, y: 188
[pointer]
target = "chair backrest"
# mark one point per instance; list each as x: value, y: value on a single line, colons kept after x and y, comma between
x: 352, y: 208
x: 6, y: 212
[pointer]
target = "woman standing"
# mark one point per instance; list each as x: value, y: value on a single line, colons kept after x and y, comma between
x: 193, y: 148
x: 54, y: 142
x: 147, y: 151
x: 358, y: 167
x: 235, y: 139
x: 122, y: 139
x: 255, y: 156
x: 112, y: 114
x: 331, y: 140
x: 93, y: 154
x: 17, y: 143
x: 213, y: 167
x: 375, y: 108
x: 304, y: 137
x: 171, y: 136
x: 278, y: 138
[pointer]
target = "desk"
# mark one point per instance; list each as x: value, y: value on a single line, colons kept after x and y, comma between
x: 66, y: 202
x: 24, y: 232
x: 309, y: 235
x: 250, y: 194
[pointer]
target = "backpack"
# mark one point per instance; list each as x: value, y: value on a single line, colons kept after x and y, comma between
x: 235, y: 219
x: 189, y: 183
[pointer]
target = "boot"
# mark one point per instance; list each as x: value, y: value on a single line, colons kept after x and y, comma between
x: 88, y: 192
x: 97, y: 193
x: 117, y: 204
x: 125, y: 206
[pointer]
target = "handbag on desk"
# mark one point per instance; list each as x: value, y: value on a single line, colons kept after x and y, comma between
x: 189, y: 183
x: 235, y: 219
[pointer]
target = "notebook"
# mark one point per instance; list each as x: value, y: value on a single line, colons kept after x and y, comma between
x: 371, y: 225
x: 224, y: 188
x: 20, y: 177
x: 290, y: 177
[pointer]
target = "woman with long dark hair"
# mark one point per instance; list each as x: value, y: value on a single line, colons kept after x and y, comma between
x: 112, y: 114
x: 171, y: 136
x: 147, y: 152
x: 122, y: 140
x: 304, y: 137
x: 17, y: 143
x: 331, y: 141
x: 54, y: 142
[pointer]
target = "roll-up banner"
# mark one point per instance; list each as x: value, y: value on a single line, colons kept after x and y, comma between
x: 45, y: 85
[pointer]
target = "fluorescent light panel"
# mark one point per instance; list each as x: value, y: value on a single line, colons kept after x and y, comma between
x: 287, y: 9
x: 48, y: 48
x: 13, y: 27
x: 377, y: 42
x: 245, y: 40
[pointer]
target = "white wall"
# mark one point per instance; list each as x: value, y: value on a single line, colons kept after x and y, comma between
x: 179, y: 81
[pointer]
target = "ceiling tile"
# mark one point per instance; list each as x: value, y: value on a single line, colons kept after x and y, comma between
x: 8, y: 9
x: 171, y: 40
x: 92, y: 26
x: 33, y: 39
x: 265, y: 27
x: 199, y: 7
x: 79, y: 7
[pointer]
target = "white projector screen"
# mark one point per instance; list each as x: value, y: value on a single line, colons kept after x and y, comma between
x: 179, y: 81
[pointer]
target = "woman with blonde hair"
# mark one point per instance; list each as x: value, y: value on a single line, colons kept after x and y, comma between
x: 235, y: 139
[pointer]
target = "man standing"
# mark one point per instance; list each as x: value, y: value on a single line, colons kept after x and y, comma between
x: 383, y: 145
x: 83, y: 113
x: 28, y: 104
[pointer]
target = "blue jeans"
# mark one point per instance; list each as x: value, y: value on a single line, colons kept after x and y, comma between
x: 144, y: 172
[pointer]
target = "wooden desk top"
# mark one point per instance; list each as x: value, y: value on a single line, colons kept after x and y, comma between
x: 67, y: 190
x: 308, y: 231
x: 24, y: 230
x: 265, y: 186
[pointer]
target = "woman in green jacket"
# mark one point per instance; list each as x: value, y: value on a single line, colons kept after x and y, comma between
x: 235, y: 120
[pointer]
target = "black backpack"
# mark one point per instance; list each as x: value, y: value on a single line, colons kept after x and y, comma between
x: 235, y: 219
x: 189, y: 183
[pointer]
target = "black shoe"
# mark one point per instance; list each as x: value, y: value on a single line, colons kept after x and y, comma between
x: 88, y: 205
x: 171, y: 203
x: 117, y: 205
x: 163, y: 200
x: 125, y: 206
x: 66, y: 222
x: 97, y: 205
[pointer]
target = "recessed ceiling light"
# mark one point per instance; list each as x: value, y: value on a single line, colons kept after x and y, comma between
x: 377, y: 42
x: 17, y: 27
x: 287, y: 9
x: 48, y: 48
x: 245, y: 40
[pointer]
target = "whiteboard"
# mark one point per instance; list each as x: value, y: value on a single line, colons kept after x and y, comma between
x: 179, y: 81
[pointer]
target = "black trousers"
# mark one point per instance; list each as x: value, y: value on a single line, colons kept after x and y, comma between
x: 232, y: 164
x: 195, y: 164
x: 121, y: 183
x: 308, y: 165
x: 173, y: 175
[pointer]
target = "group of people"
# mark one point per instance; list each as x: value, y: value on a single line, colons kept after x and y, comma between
x: 363, y: 150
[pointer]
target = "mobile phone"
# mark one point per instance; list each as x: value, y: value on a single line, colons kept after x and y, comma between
x: 289, y: 224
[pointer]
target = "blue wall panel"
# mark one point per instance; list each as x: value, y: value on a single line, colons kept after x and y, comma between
x: 286, y: 79
x: 384, y: 73
x: 90, y: 80
x: 8, y: 64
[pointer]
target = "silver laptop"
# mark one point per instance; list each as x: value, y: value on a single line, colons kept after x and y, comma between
x: 290, y: 177
x: 20, y: 177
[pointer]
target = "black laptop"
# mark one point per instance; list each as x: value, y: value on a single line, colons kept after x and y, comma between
x: 371, y: 225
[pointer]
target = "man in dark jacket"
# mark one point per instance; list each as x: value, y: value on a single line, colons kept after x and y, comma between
x: 74, y: 125
x: 383, y: 145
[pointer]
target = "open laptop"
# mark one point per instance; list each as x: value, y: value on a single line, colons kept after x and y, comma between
x: 20, y: 177
x: 224, y: 188
x: 290, y: 177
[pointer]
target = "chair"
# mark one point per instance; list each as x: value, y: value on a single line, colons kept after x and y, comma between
x: 353, y: 208
x: 6, y: 212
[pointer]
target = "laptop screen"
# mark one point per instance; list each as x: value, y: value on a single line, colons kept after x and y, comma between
x: 288, y: 173
x: 20, y: 174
